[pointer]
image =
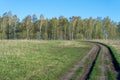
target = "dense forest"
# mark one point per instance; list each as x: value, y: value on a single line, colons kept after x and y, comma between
x: 60, y: 28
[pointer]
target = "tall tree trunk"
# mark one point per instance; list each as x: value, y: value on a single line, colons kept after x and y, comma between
x: 40, y: 30
x: 28, y: 33
x: 14, y: 31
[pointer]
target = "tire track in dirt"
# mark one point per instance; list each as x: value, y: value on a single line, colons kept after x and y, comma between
x: 108, y: 64
x: 106, y: 55
x: 92, y: 55
x: 102, y: 66
x: 89, y: 67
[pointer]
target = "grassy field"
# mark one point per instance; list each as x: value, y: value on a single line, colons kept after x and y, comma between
x: 39, y: 60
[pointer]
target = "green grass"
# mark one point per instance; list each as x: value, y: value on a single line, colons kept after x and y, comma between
x: 116, y: 54
x: 96, y: 70
x: 111, y: 76
x: 39, y: 60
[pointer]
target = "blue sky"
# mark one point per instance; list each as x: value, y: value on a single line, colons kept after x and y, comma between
x: 67, y: 8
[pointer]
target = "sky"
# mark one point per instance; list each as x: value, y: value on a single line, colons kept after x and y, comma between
x: 66, y: 8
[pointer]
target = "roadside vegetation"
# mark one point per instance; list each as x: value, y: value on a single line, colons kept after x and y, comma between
x: 95, y: 75
x: 36, y: 60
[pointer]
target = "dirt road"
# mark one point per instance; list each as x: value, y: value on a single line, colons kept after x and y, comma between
x: 83, y: 69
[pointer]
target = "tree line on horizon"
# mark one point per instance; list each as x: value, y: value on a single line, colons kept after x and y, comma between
x: 60, y: 28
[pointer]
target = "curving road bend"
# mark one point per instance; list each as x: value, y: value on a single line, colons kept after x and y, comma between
x: 107, y: 64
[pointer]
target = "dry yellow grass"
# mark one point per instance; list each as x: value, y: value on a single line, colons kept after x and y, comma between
x: 115, y: 47
x: 114, y: 43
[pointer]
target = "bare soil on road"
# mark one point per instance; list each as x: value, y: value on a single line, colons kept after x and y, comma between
x: 87, y: 64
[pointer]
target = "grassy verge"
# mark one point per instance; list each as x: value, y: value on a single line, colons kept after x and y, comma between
x: 116, y: 54
x: 111, y: 76
x: 39, y: 60
x: 96, y: 70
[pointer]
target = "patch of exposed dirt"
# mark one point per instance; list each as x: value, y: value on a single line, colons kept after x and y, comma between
x: 91, y: 54
x: 107, y: 64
